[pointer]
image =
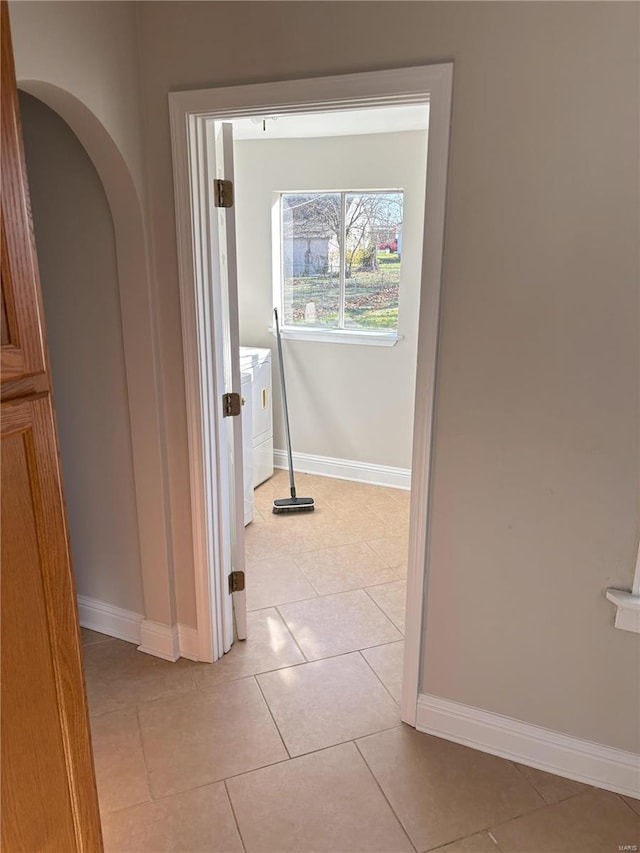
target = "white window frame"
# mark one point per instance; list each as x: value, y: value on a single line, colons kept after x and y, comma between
x: 320, y: 334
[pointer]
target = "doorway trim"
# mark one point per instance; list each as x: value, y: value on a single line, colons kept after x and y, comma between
x: 189, y: 113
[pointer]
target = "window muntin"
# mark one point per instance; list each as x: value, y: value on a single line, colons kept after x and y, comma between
x: 341, y: 259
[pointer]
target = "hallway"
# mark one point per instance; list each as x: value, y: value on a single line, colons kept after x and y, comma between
x: 293, y: 741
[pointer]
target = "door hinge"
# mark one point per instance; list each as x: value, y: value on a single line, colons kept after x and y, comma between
x: 231, y: 405
x: 236, y: 582
x: 222, y: 193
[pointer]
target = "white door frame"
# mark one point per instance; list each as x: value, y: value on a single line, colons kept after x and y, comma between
x: 189, y: 113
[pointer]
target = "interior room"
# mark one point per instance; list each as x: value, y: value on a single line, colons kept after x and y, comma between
x: 491, y: 552
x: 350, y: 379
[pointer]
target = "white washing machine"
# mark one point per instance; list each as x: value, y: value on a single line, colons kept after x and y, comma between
x: 257, y: 361
x: 246, y: 384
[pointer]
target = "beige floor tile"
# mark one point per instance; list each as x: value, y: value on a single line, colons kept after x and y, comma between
x: 392, y: 598
x: 327, y: 702
x: 199, y: 820
x: 324, y: 528
x: 264, y: 540
x: 335, y: 624
x: 269, y: 646
x: 392, y: 549
x: 395, y: 516
x: 357, y: 524
x: 635, y: 804
x: 327, y: 802
x: 552, y: 788
x: 275, y: 581
x: 119, y: 676
x: 289, y: 533
x: 345, y: 567
x: 401, y: 496
x: 442, y: 791
x: 345, y: 494
x: 89, y: 637
x: 401, y: 570
x: 479, y: 843
x: 121, y: 775
x: 594, y: 822
x: 207, y: 735
x: 386, y: 661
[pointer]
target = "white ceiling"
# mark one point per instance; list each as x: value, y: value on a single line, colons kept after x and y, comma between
x: 340, y: 123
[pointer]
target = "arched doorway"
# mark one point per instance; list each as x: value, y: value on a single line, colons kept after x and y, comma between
x: 126, y: 328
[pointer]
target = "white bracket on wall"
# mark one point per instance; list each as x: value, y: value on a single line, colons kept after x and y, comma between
x: 628, y: 603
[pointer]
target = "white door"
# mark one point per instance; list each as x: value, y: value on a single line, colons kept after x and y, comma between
x: 227, y: 361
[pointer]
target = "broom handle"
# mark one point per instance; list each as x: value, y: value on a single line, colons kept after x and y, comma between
x: 286, y: 408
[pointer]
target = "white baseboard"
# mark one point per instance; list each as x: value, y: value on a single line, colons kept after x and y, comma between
x: 188, y: 641
x: 582, y: 760
x: 109, y: 619
x: 346, y: 469
x: 163, y: 641
x: 159, y: 640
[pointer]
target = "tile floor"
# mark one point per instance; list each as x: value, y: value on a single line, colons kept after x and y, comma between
x: 293, y: 741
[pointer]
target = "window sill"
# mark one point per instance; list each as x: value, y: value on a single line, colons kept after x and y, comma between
x: 628, y: 609
x: 339, y: 336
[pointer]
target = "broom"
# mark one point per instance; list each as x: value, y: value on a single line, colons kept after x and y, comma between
x: 294, y: 503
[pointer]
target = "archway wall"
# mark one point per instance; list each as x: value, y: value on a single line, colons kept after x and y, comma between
x: 80, y: 60
x: 76, y: 247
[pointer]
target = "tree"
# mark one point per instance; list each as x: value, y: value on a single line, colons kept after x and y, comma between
x: 369, y: 218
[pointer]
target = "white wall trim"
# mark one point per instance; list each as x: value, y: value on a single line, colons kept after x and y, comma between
x: 346, y: 469
x: 108, y: 619
x: 159, y: 640
x: 153, y: 638
x: 188, y: 110
x: 627, y: 603
x: 627, y: 609
x: 188, y: 642
x: 552, y: 751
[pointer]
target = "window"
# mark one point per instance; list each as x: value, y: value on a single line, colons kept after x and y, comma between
x: 340, y: 257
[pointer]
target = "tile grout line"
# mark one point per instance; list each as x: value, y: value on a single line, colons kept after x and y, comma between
x: 381, y: 789
x: 539, y: 793
x: 386, y: 616
x: 243, y: 677
x: 360, y: 652
x: 528, y: 781
x: 342, y: 742
x: 272, y: 606
x: 464, y: 838
x: 235, y: 817
x: 335, y: 591
x: 202, y: 785
x: 291, y: 634
x: 264, y: 699
x: 144, y: 755
x: 622, y: 797
x: 304, y: 574
x: 544, y: 805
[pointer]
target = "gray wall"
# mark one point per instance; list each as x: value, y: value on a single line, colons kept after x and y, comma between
x: 536, y: 466
x: 345, y: 401
x: 76, y: 252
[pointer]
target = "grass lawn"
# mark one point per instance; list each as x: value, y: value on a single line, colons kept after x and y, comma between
x: 371, y: 297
